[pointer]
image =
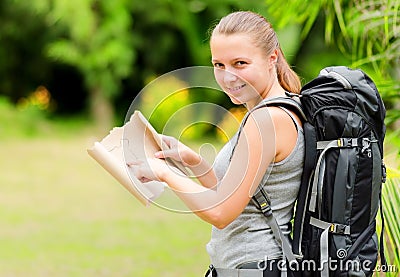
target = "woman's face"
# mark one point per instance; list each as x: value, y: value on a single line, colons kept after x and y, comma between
x: 242, y: 70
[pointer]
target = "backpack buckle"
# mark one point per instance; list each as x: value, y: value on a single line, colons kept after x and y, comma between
x: 339, y: 229
x: 263, y: 202
x: 347, y: 142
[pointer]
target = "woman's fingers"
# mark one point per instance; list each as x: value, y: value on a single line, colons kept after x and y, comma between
x: 170, y: 153
x: 171, y: 142
x: 146, y: 170
x: 132, y: 163
x: 137, y: 170
x: 178, y: 152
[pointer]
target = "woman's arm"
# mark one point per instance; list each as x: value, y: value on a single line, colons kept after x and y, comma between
x: 254, y: 152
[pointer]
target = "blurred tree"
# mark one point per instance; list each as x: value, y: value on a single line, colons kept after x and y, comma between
x: 113, y: 41
x: 117, y: 47
x: 22, y: 65
x: 366, y: 32
x: 98, y: 43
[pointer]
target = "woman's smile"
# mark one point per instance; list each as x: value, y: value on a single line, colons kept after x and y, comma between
x: 235, y: 89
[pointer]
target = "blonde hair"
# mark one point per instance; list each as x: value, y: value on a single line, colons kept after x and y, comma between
x: 264, y: 37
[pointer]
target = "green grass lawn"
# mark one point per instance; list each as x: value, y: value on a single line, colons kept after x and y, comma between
x: 63, y: 215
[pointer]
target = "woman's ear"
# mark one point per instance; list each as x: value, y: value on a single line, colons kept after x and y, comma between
x: 273, y: 58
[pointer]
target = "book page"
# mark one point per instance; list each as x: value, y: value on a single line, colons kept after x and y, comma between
x: 137, y: 139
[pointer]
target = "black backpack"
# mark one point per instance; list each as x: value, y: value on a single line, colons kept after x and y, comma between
x: 334, y: 225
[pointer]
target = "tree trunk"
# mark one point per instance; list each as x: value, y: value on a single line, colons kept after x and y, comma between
x: 101, y: 109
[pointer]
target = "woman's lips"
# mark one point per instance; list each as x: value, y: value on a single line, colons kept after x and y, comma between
x: 235, y: 89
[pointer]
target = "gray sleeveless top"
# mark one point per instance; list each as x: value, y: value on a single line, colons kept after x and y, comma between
x: 248, y: 237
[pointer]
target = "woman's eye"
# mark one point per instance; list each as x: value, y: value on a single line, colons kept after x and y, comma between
x: 218, y: 65
x: 240, y: 63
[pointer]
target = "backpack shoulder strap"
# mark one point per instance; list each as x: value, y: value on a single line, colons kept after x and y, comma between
x: 262, y: 200
x: 261, y: 197
x: 290, y: 101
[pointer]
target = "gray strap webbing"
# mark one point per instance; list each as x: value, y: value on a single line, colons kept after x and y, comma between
x: 326, y: 145
x: 262, y: 199
x: 281, y: 238
x: 228, y: 272
x: 340, y: 142
x: 283, y: 241
x: 323, y: 144
x: 324, y: 258
x: 289, y: 101
x: 314, y: 191
x: 324, y: 243
x: 333, y: 227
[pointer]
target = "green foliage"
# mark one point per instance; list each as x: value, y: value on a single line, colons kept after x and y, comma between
x: 394, y: 139
x: 373, y: 28
x: 23, y: 65
x: 299, y: 11
x: 391, y: 211
x: 99, y: 41
x: 366, y: 30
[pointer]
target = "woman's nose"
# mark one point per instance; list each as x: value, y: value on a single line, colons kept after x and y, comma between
x: 229, y: 77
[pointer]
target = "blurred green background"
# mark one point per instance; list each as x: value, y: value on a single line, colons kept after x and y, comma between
x: 69, y: 70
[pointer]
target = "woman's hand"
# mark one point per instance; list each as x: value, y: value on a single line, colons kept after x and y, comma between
x: 179, y: 152
x: 151, y: 169
x: 157, y: 169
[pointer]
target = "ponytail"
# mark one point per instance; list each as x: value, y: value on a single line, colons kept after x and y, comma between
x: 287, y: 78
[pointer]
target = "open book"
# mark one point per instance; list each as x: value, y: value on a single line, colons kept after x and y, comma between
x: 137, y: 139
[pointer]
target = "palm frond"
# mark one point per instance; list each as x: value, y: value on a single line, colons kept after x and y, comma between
x: 391, y: 211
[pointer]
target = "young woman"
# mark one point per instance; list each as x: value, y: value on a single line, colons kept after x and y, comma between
x: 249, y: 66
